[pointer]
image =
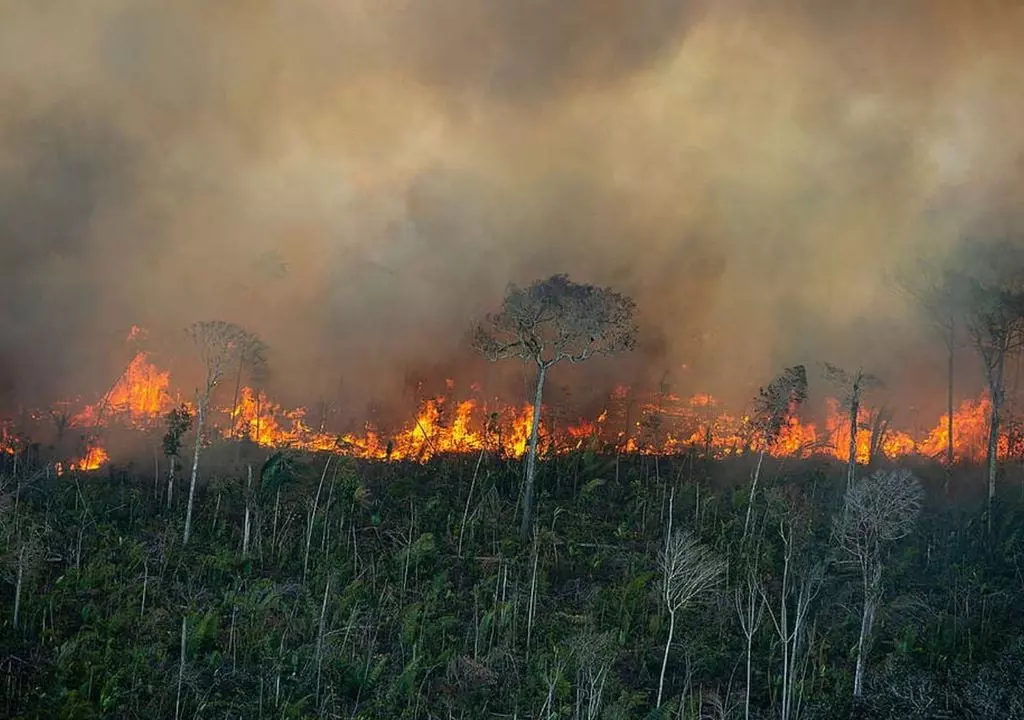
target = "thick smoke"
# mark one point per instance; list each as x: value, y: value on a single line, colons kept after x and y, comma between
x: 358, y: 180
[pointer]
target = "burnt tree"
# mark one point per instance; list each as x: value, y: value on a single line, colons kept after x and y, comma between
x: 552, y: 321
x: 220, y: 346
x: 853, y: 386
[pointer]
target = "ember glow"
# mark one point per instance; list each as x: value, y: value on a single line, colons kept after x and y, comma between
x: 453, y: 424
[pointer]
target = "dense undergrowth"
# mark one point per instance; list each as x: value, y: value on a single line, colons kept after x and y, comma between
x: 403, y: 591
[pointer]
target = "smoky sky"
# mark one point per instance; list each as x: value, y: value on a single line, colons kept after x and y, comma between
x: 358, y: 180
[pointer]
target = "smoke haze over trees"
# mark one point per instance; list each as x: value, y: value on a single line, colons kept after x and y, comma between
x: 358, y: 181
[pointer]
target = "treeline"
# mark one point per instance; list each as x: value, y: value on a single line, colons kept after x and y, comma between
x: 314, y: 586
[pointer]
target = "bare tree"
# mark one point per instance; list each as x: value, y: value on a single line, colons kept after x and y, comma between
x: 688, y: 570
x: 877, y: 511
x: 552, y: 321
x: 795, y: 589
x: 220, y: 346
x: 750, y: 609
x: 853, y: 386
x: 772, y: 409
x: 594, y: 654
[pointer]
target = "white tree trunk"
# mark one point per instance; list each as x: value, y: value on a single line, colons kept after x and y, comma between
x: 17, y: 586
x: 181, y: 667
x: 866, y: 622
x: 201, y: 416
x: 170, y: 481
x: 531, y: 457
x: 753, y: 492
x: 248, y: 513
x: 664, y: 657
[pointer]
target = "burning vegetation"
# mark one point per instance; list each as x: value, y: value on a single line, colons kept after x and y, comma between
x: 467, y: 422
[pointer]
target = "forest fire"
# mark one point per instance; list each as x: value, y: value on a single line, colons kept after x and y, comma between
x: 668, y: 424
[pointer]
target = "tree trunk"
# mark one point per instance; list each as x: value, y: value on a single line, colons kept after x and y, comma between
x: 17, y: 587
x: 247, y: 528
x: 851, y: 465
x: 200, y: 417
x: 750, y: 672
x: 949, y: 396
x: 181, y: 666
x: 996, y: 391
x: 753, y: 493
x: 866, y: 622
x: 664, y: 658
x: 531, y: 457
x: 170, y: 480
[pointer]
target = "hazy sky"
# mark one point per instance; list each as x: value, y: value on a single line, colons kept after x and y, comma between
x: 358, y: 180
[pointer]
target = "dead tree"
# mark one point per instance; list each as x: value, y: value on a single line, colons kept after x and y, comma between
x: 750, y: 610
x: 551, y: 321
x: 773, y: 407
x: 220, y: 346
x: 688, y: 570
x: 877, y: 511
x: 853, y: 386
x: 789, y: 596
x: 594, y: 654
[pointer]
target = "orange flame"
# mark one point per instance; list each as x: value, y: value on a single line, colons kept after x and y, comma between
x: 140, y: 394
x: 443, y: 425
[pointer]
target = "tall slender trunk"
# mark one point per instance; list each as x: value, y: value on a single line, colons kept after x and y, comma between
x: 17, y: 587
x: 200, y: 417
x: 997, y: 392
x: 750, y: 672
x: 234, y: 410
x: 851, y: 466
x: 753, y: 492
x: 664, y: 657
x: 247, y: 528
x: 950, y: 347
x: 312, y: 520
x: 181, y: 666
x: 320, y: 641
x: 170, y: 480
x: 531, y: 456
x: 866, y: 622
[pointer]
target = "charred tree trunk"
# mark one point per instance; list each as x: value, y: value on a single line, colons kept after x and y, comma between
x: 531, y: 456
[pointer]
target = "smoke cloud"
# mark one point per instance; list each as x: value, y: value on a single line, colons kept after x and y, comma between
x: 358, y: 181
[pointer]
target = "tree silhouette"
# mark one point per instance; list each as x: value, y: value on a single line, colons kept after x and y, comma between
x: 552, y: 321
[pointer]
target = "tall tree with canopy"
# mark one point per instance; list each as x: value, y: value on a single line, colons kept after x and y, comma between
x: 551, y: 321
x: 990, y: 279
x: 221, y: 346
x: 773, y: 407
